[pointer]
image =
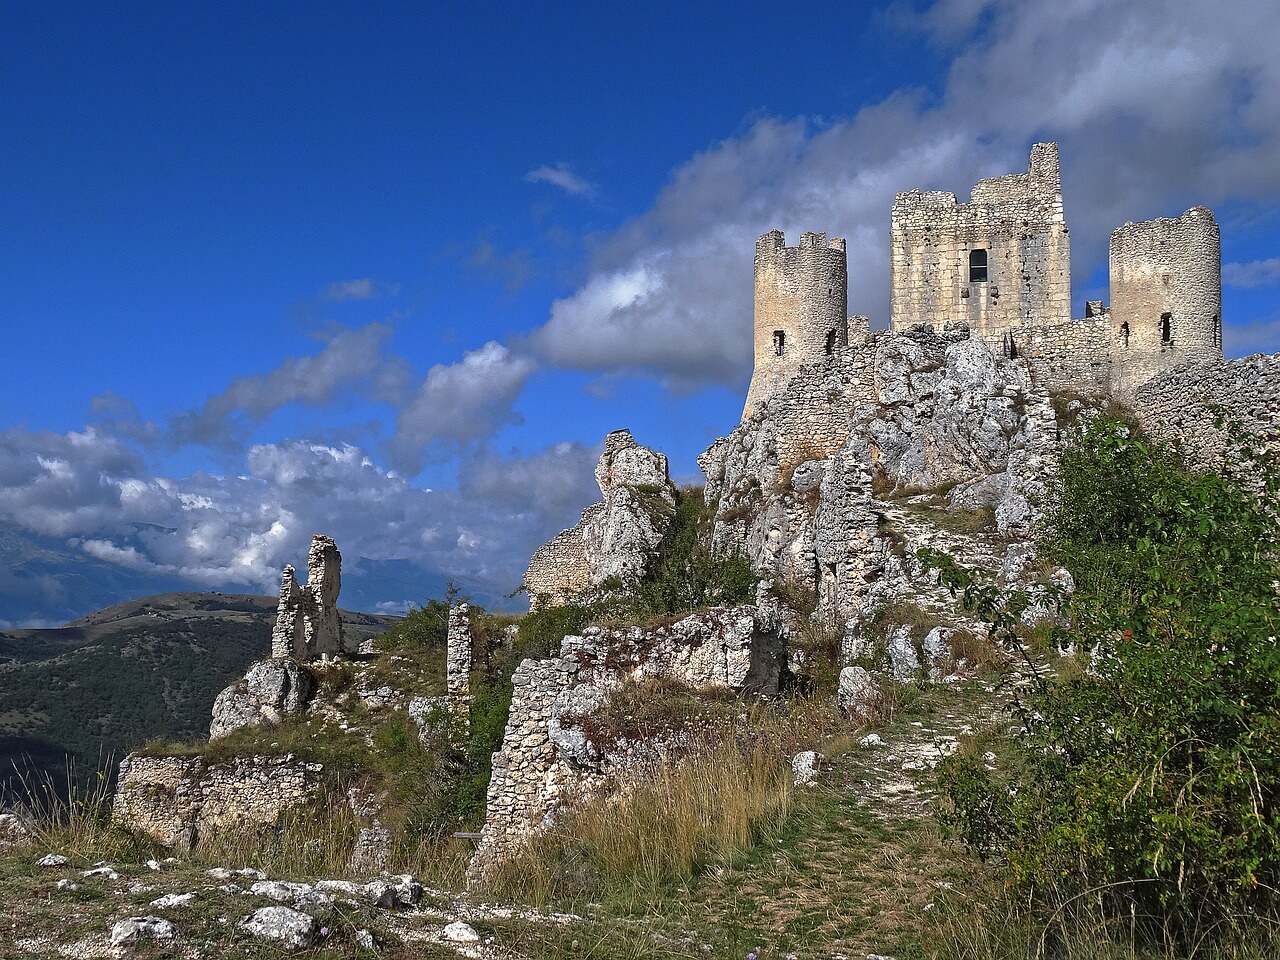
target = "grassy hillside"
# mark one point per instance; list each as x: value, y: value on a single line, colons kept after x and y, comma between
x: 109, y: 681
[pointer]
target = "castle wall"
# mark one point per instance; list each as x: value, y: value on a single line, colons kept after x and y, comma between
x: 1018, y: 220
x: 801, y: 308
x: 178, y: 800
x: 1071, y: 357
x: 1166, y: 296
x: 1184, y: 407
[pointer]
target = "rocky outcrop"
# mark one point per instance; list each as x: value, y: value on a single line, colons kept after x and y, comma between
x: 177, y: 800
x: 546, y: 751
x: 270, y: 691
x: 307, y: 621
x: 617, y: 538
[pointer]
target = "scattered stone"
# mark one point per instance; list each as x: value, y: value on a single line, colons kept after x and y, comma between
x: 290, y: 928
x: 857, y: 694
x: 280, y: 890
x: 13, y: 830
x: 170, y: 900
x: 101, y: 870
x: 138, y: 929
x: 871, y: 740
x: 52, y: 860
x: 67, y: 885
x: 460, y: 932
x: 219, y: 873
x: 364, y: 938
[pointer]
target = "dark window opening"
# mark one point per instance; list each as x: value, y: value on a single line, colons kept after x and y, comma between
x: 1124, y: 332
x: 1010, y: 347
x: 1166, y: 328
x: 831, y: 342
x: 1217, y: 331
x: 779, y: 343
x: 977, y: 266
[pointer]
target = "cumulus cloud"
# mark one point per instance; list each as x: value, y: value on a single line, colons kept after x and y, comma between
x: 560, y: 175
x: 348, y: 359
x: 238, y: 530
x: 460, y: 404
x: 1157, y: 106
x: 1255, y: 273
x: 363, y: 289
x: 1257, y: 336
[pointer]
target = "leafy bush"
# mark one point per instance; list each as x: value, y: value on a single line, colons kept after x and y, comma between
x: 1148, y: 785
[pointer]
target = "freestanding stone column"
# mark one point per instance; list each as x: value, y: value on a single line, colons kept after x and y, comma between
x: 458, y: 658
x: 308, y: 624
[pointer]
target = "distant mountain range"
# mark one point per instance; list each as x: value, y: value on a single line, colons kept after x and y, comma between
x: 47, y: 581
x: 107, y: 682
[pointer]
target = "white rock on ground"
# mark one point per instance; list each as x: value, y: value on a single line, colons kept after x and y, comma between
x: 460, y: 932
x: 857, y: 693
x: 804, y: 768
x: 173, y: 900
x: 138, y: 929
x: 288, y: 927
x: 52, y: 860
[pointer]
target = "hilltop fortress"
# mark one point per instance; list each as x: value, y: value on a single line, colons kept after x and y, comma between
x: 1001, y: 264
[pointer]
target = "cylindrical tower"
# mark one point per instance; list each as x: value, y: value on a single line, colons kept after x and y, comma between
x: 1166, y: 297
x: 800, y: 311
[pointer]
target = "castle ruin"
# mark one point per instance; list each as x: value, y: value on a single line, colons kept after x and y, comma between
x: 1000, y: 264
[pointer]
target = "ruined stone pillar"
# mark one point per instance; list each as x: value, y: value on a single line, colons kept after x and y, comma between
x: 458, y: 658
x: 324, y: 581
x: 288, y: 637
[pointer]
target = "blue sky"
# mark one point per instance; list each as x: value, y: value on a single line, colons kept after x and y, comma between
x: 391, y: 273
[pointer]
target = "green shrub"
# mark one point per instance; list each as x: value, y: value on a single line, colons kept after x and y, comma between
x: 1147, y: 786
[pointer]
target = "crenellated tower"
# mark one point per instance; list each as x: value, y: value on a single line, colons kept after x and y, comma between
x: 801, y: 304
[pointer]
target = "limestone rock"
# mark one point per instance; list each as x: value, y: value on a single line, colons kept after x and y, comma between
x: 565, y: 728
x: 13, y: 830
x: 288, y: 927
x: 857, y: 693
x: 170, y: 900
x: 616, y: 538
x: 372, y: 850
x: 270, y: 691
x: 904, y: 662
x: 460, y: 932
x: 52, y: 860
x: 804, y: 768
x: 139, y: 929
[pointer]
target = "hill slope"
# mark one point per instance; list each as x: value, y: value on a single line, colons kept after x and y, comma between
x: 147, y: 668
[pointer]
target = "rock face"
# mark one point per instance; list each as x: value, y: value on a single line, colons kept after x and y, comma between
x: 616, y: 538
x: 546, y: 750
x: 307, y: 621
x: 177, y: 800
x: 270, y: 691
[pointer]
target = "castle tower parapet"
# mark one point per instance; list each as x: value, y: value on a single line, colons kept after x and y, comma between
x: 1166, y: 296
x: 801, y: 303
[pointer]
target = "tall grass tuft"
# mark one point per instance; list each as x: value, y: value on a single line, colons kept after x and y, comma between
x: 73, y: 817
x: 650, y: 836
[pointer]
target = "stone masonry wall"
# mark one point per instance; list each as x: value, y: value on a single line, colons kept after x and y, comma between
x: 1159, y: 267
x: 801, y: 304
x: 742, y: 648
x: 1181, y: 407
x: 1068, y: 357
x: 458, y: 655
x: 1018, y: 219
x: 178, y: 800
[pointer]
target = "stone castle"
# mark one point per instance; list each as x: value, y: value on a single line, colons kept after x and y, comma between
x: 1001, y: 264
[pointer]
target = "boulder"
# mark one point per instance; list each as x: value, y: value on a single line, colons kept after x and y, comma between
x: 270, y: 691
x: 857, y: 693
x: 139, y: 929
x: 289, y: 928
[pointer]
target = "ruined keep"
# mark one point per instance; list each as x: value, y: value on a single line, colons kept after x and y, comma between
x: 999, y: 263
x: 800, y: 308
x: 1166, y: 297
x: 308, y: 624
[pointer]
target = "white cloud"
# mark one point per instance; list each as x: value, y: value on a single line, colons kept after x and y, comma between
x: 349, y: 359
x: 1257, y: 336
x: 560, y: 175
x: 1255, y: 273
x: 1157, y: 105
x: 460, y: 404
x: 238, y: 531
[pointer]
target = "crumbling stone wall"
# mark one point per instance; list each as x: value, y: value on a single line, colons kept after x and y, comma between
x: 1166, y: 296
x: 1193, y: 407
x: 1018, y: 220
x: 801, y: 302
x: 1071, y: 357
x: 615, y: 539
x: 458, y: 655
x: 308, y: 624
x: 743, y: 648
x: 178, y: 800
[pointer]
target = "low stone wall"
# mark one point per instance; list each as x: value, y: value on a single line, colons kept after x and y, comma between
x: 740, y: 648
x: 178, y: 800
